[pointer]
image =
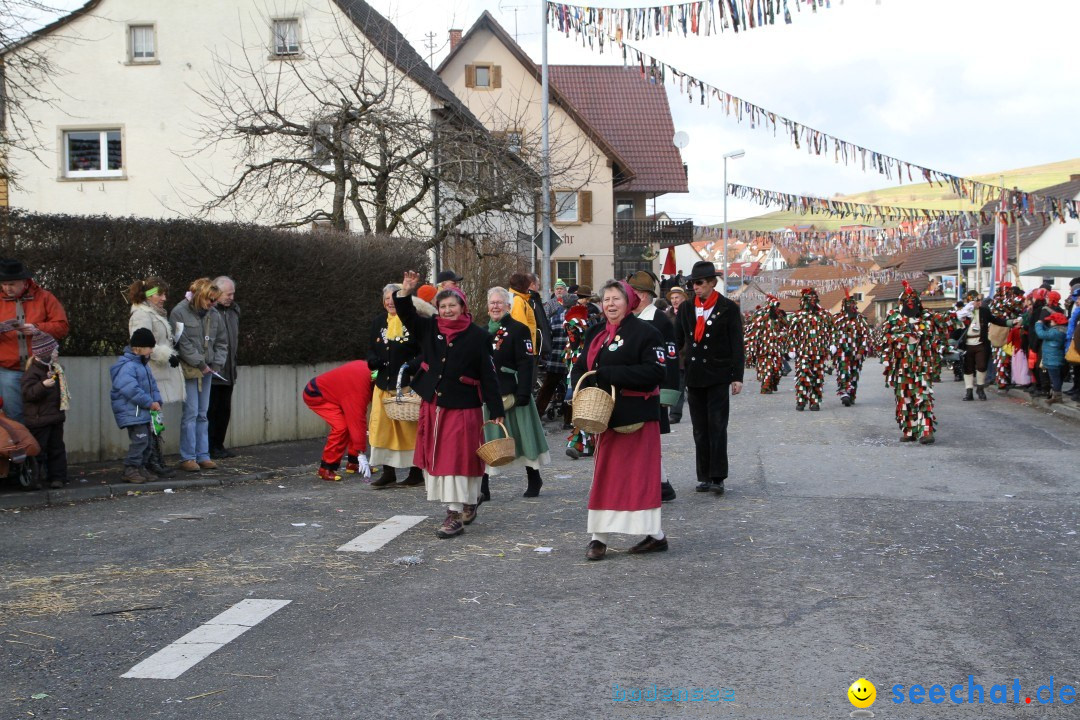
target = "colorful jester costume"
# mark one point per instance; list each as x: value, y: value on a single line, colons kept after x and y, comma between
x: 852, y: 346
x: 576, y: 322
x: 1006, y: 306
x: 767, y: 342
x: 751, y: 328
x: 911, y: 343
x: 810, y: 338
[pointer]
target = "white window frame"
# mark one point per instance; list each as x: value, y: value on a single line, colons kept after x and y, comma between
x: 486, y: 67
x: 284, y: 50
x: 1070, y: 239
x: 153, y: 58
x: 565, y: 276
x: 562, y: 207
x: 857, y: 296
x: 103, y: 145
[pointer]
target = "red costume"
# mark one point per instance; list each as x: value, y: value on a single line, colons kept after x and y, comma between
x: 341, y: 398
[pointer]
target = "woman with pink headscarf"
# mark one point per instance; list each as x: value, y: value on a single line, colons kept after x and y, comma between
x: 629, y: 355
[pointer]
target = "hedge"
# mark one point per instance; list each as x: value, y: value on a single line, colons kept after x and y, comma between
x: 304, y: 297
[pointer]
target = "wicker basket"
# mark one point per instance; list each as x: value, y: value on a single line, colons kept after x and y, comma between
x: 500, y: 451
x: 627, y: 429
x: 404, y: 406
x: 592, y: 407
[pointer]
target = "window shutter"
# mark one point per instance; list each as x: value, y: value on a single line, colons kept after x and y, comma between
x: 584, y: 206
x: 470, y: 76
x: 496, y: 76
x: 586, y: 273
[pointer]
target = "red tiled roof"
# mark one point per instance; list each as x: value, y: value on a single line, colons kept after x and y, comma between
x: 633, y: 115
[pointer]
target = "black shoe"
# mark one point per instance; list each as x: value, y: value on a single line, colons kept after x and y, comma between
x: 980, y: 392
x: 667, y: 493
x: 800, y: 407
x: 161, y: 471
x: 387, y: 478
x: 675, y: 420
x: 535, y: 483
x: 595, y: 550
x: 649, y: 545
x: 485, y: 493
x: 413, y: 479
x: 969, y: 394
x: 717, y: 487
x: 219, y: 453
x: 815, y: 407
x: 573, y: 453
x: 845, y: 400
x: 703, y: 487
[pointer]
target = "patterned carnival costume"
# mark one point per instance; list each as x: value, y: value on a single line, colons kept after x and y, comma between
x: 578, y: 443
x: 751, y: 328
x: 853, y: 344
x: 911, y: 354
x: 767, y: 342
x: 1007, y: 306
x: 810, y: 335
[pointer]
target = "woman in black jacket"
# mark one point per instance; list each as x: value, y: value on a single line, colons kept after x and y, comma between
x: 392, y: 347
x: 630, y: 355
x: 456, y: 380
x: 511, y: 349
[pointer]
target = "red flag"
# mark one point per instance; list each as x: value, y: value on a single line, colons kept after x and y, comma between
x: 669, y: 263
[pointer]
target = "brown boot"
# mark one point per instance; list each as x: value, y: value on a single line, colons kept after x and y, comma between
x: 468, y: 514
x: 132, y: 475
x: 146, y: 474
x: 189, y: 466
x: 451, y: 526
x: 1055, y: 397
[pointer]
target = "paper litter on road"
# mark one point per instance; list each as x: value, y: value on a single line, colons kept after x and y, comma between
x: 543, y: 549
x: 408, y: 560
x: 1010, y: 496
x: 281, y: 487
x: 299, y: 524
x: 168, y: 491
x: 563, y: 477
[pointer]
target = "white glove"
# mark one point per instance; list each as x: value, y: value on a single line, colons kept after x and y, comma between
x: 832, y: 349
x: 791, y: 354
x: 365, y: 467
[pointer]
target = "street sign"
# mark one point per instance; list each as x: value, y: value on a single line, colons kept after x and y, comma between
x: 967, y: 254
x: 538, y: 240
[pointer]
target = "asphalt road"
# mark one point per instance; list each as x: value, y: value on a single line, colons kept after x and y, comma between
x: 837, y: 553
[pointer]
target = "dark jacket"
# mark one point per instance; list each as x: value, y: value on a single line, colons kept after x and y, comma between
x: 452, y: 375
x: 986, y: 319
x: 387, y: 356
x: 133, y: 390
x: 41, y: 405
x: 513, y: 361
x: 635, y: 367
x: 718, y: 358
x: 543, y: 325
x: 230, y: 316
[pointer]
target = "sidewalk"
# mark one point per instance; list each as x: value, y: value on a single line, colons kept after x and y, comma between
x: 1068, y: 409
x: 88, y: 481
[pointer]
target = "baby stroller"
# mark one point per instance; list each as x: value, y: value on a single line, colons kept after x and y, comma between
x: 17, y: 445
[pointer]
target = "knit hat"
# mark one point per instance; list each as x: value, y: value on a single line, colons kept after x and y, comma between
x: 426, y: 293
x: 1058, y: 319
x: 142, y: 338
x: 43, y: 345
x: 1053, y: 297
x: 559, y: 282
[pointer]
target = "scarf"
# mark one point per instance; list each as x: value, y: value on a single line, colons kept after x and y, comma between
x: 452, y: 328
x: 394, y: 328
x: 65, y: 391
x: 700, y: 308
x: 493, y: 326
x: 599, y: 342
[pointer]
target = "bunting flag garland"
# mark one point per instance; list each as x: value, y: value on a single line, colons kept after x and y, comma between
x: 706, y: 17
x: 590, y: 25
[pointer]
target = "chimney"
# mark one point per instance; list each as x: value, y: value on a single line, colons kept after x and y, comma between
x: 455, y: 38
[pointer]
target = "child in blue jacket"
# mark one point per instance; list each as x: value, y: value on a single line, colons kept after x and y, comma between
x: 134, y: 394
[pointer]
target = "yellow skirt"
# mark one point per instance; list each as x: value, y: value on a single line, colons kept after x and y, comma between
x: 385, y: 433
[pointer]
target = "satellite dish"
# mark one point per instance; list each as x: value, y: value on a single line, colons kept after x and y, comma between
x: 680, y: 140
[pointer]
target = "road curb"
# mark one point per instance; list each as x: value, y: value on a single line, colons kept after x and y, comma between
x: 66, y: 496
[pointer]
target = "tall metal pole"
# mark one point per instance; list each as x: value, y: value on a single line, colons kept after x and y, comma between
x: 545, y: 170
x: 724, y: 284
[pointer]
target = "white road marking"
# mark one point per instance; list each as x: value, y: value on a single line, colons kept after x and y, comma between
x: 174, y: 660
x: 381, y: 534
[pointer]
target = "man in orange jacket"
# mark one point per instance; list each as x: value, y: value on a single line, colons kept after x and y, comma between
x: 25, y: 308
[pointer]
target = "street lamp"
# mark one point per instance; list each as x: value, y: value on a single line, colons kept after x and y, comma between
x: 734, y: 155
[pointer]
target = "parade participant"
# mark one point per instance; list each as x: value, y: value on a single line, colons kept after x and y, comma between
x: 852, y: 341
x: 579, y: 443
x: 644, y: 284
x: 455, y: 380
x: 710, y: 329
x: 910, y: 348
x: 511, y: 352
x: 677, y: 296
x: 766, y: 341
x: 629, y: 355
x: 341, y: 397
x: 553, y: 364
x: 976, y: 343
x: 390, y: 348
x: 1007, y: 305
x: 810, y: 337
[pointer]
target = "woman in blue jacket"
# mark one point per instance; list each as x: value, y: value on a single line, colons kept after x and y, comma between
x: 134, y: 395
x: 1051, y: 330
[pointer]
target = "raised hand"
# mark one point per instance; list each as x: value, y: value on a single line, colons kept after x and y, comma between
x: 409, y: 282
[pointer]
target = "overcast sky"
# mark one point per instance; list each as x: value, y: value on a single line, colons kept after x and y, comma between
x: 962, y: 86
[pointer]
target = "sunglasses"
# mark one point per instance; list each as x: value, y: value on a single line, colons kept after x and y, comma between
x: 699, y: 282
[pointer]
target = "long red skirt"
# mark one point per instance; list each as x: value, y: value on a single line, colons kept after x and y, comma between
x: 627, y: 471
x: 447, y: 440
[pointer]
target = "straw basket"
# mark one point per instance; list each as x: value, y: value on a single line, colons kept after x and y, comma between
x: 627, y: 429
x: 592, y: 407
x: 404, y: 406
x: 500, y: 451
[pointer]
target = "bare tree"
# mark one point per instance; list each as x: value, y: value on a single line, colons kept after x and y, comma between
x: 345, y: 133
x: 26, y: 73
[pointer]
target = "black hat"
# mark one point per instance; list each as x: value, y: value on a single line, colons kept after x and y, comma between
x: 142, y: 338
x: 448, y: 275
x: 583, y: 291
x: 703, y: 270
x: 13, y: 270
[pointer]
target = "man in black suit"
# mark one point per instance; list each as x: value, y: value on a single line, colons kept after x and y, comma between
x: 710, y: 329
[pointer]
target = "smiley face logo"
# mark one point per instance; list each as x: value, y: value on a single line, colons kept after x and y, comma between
x: 862, y: 693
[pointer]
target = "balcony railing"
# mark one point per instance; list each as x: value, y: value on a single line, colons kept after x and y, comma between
x: 661, y: 233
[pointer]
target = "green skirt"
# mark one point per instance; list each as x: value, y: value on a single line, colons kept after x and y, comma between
x: 523, y: 424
